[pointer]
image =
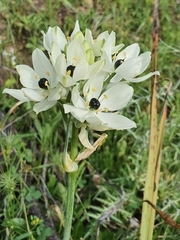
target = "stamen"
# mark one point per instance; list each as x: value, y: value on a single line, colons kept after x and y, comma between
x: 86, y: 94
x: 99, y: 110
x: 114, y: 56
x: 94, y: 89
x: 36, y: 76
x: 124, y: 54
x: 48, y: 73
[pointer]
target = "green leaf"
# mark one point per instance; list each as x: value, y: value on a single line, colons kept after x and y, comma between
x: 9, y: 82
x: 33, y: 194
x: 22, y: 236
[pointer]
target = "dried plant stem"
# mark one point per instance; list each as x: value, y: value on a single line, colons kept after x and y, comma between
x: 147, y: 220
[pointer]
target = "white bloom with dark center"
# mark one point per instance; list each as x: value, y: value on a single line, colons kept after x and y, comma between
x: 99, y: 109
x: 73, y: 66
x: 40, y: 84
x: 128, y: 64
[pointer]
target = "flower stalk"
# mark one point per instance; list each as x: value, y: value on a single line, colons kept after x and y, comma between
x: 71, y: 187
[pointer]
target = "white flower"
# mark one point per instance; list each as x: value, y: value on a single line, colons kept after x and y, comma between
x: 104, y: 42
x: 128, y: 64
x: 116, y: 59
x: 73, y: 66
x: 55, y: 35
x: 98, y: 108
x: 40, y: 84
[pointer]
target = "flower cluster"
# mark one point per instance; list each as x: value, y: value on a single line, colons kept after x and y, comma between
x: 89, y: 77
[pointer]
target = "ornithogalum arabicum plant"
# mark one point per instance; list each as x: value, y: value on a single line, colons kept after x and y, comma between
x: 90, y: 79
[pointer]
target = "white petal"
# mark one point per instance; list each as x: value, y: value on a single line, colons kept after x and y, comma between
x: 109, y: 65
x: 81, y: 70
x: 146, y: 58
x: 77, y: 100
x: 47, y: 39
x: 75, y: 52
x: 103, y: 35
x: 76, y: 29
x: 69, y: 165
x: 68, y: 81
x: 97, y: 46
x: 59, y: 38
x: 55, y: 52
x: 117, y: 78
x: 28, y: 77
x: 18, y: 94
x: 93, y: 86
x: 54, y: 94
x: 43, y: 105
x: 79, y: 114
x: 61, y: 65
x: 117, y: 48
x: 34, y: 95
x: 96, y: 124
x: 109, y: 43
x: 140, y: 79
x: 88, y: 37
x: 95, y: 68
x: 129, y: 52
x: 116, y: 97
x: 54, y: 35
x: 115, y: 121
x: 83, y: 137
x: 43, y: 67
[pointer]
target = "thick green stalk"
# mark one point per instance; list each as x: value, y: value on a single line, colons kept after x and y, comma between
x: 71, y: 187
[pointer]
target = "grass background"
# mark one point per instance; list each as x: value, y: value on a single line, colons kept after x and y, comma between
x: 31, y: 145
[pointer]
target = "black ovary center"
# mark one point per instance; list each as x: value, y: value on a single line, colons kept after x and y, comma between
x: 118, y: 63
x: 43, y: 83
x: 94, y: 103
x: 70, y: 70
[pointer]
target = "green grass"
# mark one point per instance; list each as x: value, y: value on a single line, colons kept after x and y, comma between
x: 120, y: 163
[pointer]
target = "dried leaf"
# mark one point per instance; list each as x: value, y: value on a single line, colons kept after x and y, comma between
x: 164, y: 216
x: 87, y: 152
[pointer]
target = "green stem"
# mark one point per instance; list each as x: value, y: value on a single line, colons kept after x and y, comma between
x: 109, y: 79
x: 70, y: 205
x: 71, y: 187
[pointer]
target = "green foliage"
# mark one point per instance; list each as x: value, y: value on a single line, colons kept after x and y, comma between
x: 32, y: 194
x: 35, y: 143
